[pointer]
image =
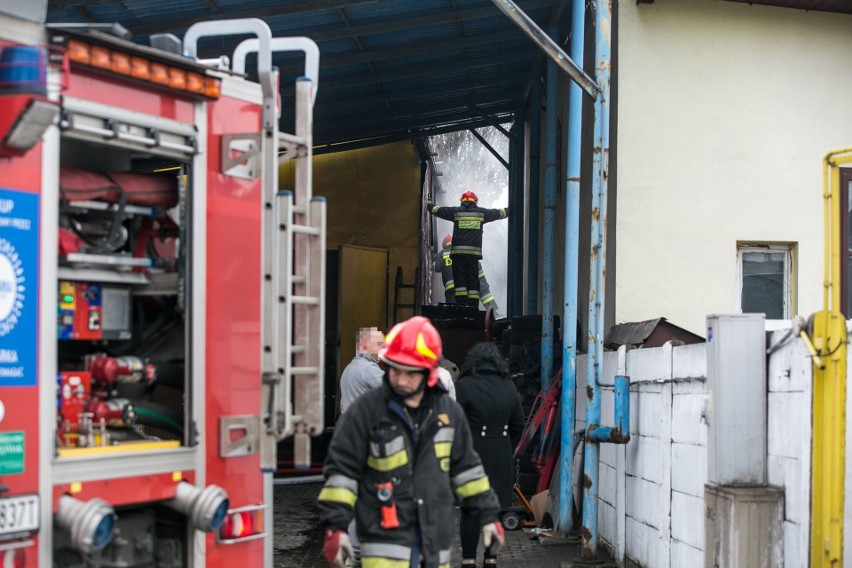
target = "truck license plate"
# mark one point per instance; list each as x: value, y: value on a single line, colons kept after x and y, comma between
x: 19, y: 516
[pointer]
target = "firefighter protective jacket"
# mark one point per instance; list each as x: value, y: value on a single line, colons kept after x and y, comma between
x: 468, y: 220
x: 442, y: 263
x: 429, y: 465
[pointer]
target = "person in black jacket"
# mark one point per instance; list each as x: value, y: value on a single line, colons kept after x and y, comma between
x: 466, y: 251
x: 398, y: 457
x: 493, y: 408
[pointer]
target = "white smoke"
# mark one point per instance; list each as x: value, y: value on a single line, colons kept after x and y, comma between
x: 466, y: 164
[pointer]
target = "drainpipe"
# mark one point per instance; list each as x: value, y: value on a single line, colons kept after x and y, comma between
x: 620, y: 433
x: 532, y: 213
x: 572, y: 254
x: 597, y: 284
x: 550, y: 172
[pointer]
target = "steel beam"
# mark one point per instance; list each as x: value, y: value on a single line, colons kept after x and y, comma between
x: 550, y: 47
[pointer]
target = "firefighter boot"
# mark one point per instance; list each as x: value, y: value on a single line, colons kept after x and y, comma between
x: 490, y: 562
x: 468, y: 563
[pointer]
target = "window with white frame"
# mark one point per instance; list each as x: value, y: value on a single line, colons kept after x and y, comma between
x: 764, y: 274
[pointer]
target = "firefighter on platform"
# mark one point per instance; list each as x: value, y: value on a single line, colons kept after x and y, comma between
x: 399, y: 458
x: 468, y: 219
x: 442, y: 263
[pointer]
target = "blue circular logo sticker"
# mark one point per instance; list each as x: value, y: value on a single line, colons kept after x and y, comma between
x: 12, y: 287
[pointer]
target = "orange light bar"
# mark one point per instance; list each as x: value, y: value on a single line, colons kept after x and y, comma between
x: 140, y: 68
x: 212, y: 87
x: 195, y: 83
x: 120, y: 63
x: 143, y: 69
x: 100, y: 57
x: 177, y: 78
x: 159, y: 74
x: 78, y: 52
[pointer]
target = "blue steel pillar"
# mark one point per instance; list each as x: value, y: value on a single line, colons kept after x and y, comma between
x: 550, y: 174
x: 515, y: 275
x: 533, y: 202
x: 572, y: 251
x: 597, y: 275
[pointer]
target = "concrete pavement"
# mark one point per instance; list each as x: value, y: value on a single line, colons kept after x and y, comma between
x: 298, y: 538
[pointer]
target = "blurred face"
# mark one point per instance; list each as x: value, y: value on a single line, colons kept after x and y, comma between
x: 371, y: 343
x: 405, y: 383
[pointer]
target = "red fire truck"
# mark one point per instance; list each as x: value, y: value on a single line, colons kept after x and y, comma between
x: 161, y: 301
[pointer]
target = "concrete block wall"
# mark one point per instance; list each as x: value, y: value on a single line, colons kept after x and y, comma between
x: 651, y: 509
x: 789, y: 374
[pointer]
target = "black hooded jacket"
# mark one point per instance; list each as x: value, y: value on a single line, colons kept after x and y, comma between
x: 493, y: 408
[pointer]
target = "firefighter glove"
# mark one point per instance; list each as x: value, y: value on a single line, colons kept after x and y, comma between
x: 336, y: 548
x: 493, y: 537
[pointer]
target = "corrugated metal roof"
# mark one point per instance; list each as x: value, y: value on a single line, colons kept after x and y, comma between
x: 389, y: 69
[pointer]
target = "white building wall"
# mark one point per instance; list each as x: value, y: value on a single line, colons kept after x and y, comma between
x: 725, y: 111
x: 651, y: 508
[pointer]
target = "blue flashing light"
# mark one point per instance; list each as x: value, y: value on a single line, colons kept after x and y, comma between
x: 23, y: 69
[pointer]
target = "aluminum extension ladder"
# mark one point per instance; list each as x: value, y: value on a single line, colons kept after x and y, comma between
x: 294, y: 229
x: 294, y: 281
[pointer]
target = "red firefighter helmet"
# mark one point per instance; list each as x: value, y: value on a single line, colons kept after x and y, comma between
x: 469, y: 196
x: 448, y: 240
x: 414, y: 345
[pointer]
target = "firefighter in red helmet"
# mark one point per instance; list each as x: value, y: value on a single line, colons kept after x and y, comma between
x: 468, y: 219
x: 399, y: 458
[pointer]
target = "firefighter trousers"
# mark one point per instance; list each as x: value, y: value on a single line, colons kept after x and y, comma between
x: 466, y: 278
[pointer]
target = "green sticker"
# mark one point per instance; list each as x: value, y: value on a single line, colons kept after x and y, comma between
x: 11, y: 452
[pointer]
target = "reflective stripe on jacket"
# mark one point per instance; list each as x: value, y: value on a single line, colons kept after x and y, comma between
x: 468, y: 220
x: 442, y: 263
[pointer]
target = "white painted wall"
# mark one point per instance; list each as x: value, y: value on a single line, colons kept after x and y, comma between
x: 725, y: 111
x: 651, y: 508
